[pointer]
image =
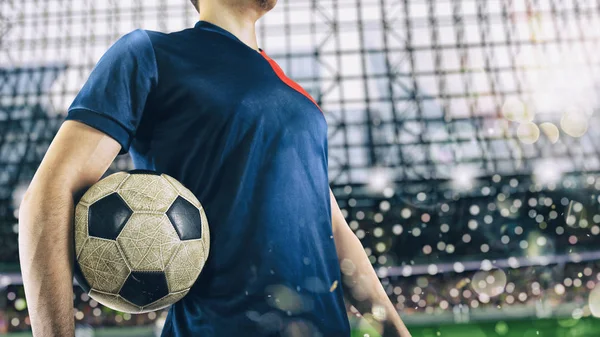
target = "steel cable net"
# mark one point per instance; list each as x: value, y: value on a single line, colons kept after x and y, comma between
x: 459, y: 131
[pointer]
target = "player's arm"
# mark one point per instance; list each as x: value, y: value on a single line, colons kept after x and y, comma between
x: 77, y: 158
x: 360, y: 276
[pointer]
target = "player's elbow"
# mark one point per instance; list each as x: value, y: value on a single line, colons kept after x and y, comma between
x: 29, y: 198
x: 40, y: 202
x: 42, y: 192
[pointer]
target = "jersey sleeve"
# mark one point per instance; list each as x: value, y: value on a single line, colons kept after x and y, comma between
x: 113, y: 98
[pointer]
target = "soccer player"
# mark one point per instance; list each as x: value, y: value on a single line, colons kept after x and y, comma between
x: 206, y: 106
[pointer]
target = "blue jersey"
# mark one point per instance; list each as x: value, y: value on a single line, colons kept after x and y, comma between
x: 223, y: 119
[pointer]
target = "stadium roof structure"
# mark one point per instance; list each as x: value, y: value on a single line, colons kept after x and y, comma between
x: 439, y: 90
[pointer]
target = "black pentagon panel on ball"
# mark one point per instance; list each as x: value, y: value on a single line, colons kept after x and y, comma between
x: 186, y: 219
x: 107, y: 217
x: 149, y: 172
x: 142, y: 288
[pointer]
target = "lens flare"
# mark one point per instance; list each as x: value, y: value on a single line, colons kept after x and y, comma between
x: 594, y: 301
x: 528, y: 133
x: 489, y: 283
x: 501, y: 328
x: 551, y: 131
x: 287, y: 299
x: 515, y: 110
x: 574, y: 123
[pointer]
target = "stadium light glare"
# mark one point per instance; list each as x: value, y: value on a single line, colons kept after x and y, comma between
x: 463, y: 177
x: 380, y: 179
x: 547, y: 173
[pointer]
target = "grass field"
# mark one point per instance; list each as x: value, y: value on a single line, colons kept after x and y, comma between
x: 585, y: 327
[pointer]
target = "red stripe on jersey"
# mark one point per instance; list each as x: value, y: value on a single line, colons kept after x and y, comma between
x: 286, y: 79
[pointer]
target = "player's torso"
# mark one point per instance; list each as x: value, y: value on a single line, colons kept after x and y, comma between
x: 209, y: 82
x: 254, y: 151
x: 251, y: 147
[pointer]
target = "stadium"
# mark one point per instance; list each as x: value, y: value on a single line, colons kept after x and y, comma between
x: 463, y: 138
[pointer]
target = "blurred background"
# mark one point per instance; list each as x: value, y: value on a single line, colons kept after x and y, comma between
x: 464, y: 147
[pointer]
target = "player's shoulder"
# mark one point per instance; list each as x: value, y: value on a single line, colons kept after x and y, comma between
x: 136, y: 38
x: 134, y: 44
x: 158, y: 38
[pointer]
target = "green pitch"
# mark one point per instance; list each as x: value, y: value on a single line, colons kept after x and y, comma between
x: 585, y: 327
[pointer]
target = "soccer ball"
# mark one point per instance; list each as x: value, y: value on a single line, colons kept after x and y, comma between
x: 141, y: 241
